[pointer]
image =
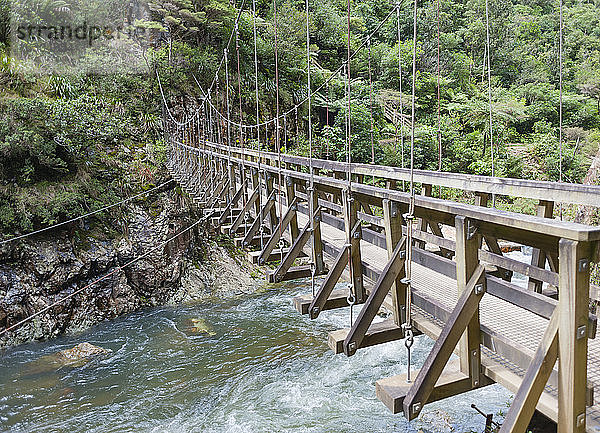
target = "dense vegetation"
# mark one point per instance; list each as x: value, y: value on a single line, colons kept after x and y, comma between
x: 62, y: 135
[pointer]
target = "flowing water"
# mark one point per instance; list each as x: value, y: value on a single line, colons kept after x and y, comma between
x: 260, y: 367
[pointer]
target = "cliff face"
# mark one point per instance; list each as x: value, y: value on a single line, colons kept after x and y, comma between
x: 41, y: 270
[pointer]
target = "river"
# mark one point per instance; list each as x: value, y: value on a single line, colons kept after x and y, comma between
x: 261, y: 368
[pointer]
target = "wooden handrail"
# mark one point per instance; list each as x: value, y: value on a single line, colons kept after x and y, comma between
x: 588, y: 195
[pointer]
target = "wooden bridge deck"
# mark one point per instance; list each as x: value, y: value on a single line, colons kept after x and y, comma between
x: 502, y: 333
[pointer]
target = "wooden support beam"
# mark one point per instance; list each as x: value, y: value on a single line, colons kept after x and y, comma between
x: 290, y: 191
x: 533, y: 384
x: 545, y: 209
x: 378, y: 333
x: 392, y: 391
x: 317, y: 241
x: 392, y: 219
x: 461, y: 317
x: 255, y: 186
x: 318, y: 303
x: 353, y: 239
x: 393, y: 270
x: 573, y: 304
x: 337, y: 299
x: 289, y: 216
x: 269, y: 179
x: 468, y: 241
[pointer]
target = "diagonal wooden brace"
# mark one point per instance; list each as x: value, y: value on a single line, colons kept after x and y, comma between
x: 533, y: 384
x: 218, y: 194
x: 461, y: 316
x: 240, y: 218
x: 285, y: 221
x: 231, y: 204
x: 294, y: 251
x: 266, y: 209
x: 393, y: 269
x: 318, y: 303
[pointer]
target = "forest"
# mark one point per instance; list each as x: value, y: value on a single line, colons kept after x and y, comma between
x: 80, y: 131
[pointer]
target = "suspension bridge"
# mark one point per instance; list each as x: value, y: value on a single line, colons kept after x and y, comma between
x: 435, y: 265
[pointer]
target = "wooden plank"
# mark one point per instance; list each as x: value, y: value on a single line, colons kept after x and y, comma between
x: 574, y: 277
x: 533, y: 384
x: 460, y: 319
x: 392, y: 391
x: 293, y: 273
x: 377, y: 333
x: 337, y: 299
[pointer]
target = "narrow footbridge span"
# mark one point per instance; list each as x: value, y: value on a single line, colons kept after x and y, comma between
x: 537, y: 341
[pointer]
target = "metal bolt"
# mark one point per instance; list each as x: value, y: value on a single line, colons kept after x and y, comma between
x: 416, y: 408
x: 475, y: 353
x: 479, y: 289
x: 581, y: 332
x: 476, y: 383
x: 584, y: 265
x: 356, y: 234
x: 581, y: 420
x: 315, y: 311
x: 352, y: 347
x: 402, y: 254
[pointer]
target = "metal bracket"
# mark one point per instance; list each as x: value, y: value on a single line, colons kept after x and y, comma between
x: 471, y: 229
x: 581, y: 332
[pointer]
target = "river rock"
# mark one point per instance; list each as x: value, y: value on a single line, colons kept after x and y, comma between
x: 74, y: 357
x: 198, y: 326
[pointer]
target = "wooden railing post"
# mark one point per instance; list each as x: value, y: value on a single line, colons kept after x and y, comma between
x: 392, y: 219
x: 255, y: 181
x: 350, y: 206
x: 317, y: 242
x: 573, y: 302
x: 269, y: 180
x: 545, y: 209
x: 467, y: 260
x: 290, y: 194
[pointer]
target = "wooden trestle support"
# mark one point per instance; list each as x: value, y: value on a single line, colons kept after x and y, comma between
x: 481, y: 319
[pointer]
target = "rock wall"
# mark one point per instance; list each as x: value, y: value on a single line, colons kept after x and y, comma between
x: 39, y: 271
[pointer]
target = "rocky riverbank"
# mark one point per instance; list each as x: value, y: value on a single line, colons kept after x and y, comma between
x: 42, y: 270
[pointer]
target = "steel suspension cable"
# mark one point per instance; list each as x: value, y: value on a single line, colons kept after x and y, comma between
x: 277, y: 138
x: 371, y: 107
x: 411, y: 210
x: 311, y: 192
x: 400, y: 89
x: 489, y: 75
x: 560, y: 98
x: 117, y: 269
x: 54, y: 226
x: 351, y: 288
x: 439, y: 118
